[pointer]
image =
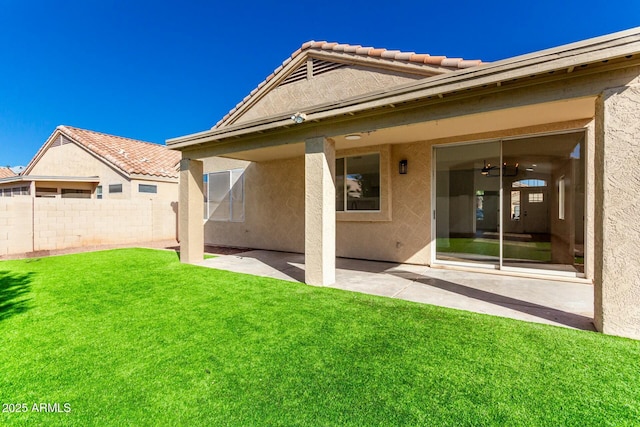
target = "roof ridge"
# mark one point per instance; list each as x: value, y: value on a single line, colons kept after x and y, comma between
x: 107, y: 134
x: 359, y: 50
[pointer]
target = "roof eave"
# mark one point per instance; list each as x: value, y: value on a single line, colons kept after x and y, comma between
x: 37, y: 178
x: 565, y: 57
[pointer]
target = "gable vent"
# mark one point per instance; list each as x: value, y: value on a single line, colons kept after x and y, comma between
x: 315, y: 67
x: 321, y: 67
x: 60, y: 140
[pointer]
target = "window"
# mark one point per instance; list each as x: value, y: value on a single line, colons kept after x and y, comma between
x: 147, y: 188
x: 115, y: 188
x: 358, y: 183
x: 515, y: 205
x: 70, y: 193
x: 14, y: 191
x: 224, y: 195
x: 536, y: 197
x: 561, y: 198
x: 99, y: 192
x: 46, y: 192
x: 529, y: 183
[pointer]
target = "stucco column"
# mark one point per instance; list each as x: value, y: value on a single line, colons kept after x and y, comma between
x: 320, y: 212
x: 190, y: 211
x: 617, y: 213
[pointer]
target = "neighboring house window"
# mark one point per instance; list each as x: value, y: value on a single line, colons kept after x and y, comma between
x: 46, y: 192
x: 115, y: 188
x: 99, y: 192
x: 71, y: 193
x: 358, y: 183
x: 14, y: 191
x: 147, y: 188
x: 224, y: 195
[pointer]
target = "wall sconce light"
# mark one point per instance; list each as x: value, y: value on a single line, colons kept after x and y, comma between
x: 403, y: 167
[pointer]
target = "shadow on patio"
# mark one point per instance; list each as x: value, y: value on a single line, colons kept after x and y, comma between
x: 553, y: 302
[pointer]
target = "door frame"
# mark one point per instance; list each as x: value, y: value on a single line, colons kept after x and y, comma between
x: 500, y: 266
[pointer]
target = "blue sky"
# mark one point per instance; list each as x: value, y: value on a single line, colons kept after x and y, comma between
x: 153, y: 70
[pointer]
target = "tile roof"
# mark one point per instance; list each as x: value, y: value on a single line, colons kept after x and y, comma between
x: 6, y: 173
x: 131, y: 156
x: 451, y: 64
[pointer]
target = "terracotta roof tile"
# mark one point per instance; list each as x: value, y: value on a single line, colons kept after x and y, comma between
x: 6, y: 173
x: 393, y: 55
x: 129, y: 155
x: 434, y: 60
x: 375, y: 52
x: 419, y: 57
x: 352, y: 48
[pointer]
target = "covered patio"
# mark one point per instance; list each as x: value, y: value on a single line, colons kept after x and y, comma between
x: 552, y: 302
x: 519, y: 167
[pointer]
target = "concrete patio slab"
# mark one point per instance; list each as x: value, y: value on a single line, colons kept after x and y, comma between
x: 559, y: 303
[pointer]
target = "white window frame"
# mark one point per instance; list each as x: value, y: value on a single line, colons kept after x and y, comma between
x: 230, y: 195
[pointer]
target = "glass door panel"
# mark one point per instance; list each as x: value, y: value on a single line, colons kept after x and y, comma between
x: 468, y: 203
x: 543, y: 187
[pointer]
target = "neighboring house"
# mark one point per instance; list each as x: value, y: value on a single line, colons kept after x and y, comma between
x: 53, y: 204
x: 78, y: 163
x: 524, y: 166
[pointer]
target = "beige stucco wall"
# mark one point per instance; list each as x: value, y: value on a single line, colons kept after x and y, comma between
x: 342, y: 83
x: 400, y: 232
x: 28, y: 224
x: 167, y: 191
x: 71, y: 160
x: 405, y: 235
x: 274, y: 206
x: 274, y: 209
x: 362, y: 239
x: 617, y: 246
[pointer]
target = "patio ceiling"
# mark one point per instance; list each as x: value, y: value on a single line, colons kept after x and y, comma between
x: 471, y: 124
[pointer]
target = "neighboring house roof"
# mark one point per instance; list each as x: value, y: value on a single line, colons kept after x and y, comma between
x: 129, y: 156
x: 346, y: 53
x: 6, y: 173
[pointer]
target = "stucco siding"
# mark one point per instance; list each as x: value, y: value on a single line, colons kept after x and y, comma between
x: 342, y: 83
x: 71, y: 160
x: 165, y: 190
x: 405, y: 236
x: 617, y: 278
x: 273, y: 207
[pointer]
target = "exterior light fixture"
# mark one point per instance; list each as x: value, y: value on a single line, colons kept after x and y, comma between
x: 299, y: 118
x: 403, y: 167
x: 353, y: 137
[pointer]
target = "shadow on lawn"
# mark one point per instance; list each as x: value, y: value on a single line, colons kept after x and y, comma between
x: 14, y: 289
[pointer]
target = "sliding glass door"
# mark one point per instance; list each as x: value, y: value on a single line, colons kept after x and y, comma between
x: 467, y: 204
x: 512, y: 204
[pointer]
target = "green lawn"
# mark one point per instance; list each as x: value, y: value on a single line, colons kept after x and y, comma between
x: 536, y: 251
x: 132, y: 337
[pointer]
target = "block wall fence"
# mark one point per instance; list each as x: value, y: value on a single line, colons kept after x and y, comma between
x: 37, y: 224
